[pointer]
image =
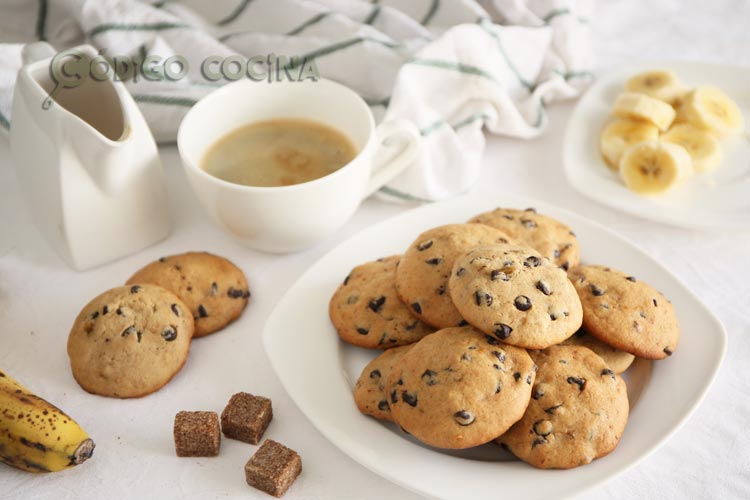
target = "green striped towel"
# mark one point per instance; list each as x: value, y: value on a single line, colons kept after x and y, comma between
x: 456, y: 68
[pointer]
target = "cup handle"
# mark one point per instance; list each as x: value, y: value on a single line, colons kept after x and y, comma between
x: 387, y: 166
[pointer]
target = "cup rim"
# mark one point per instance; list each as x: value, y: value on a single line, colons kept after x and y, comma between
x: 269, y: 189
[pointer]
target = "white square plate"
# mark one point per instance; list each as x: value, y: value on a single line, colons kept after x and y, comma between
x: 715, y: 200
x: 319, y: 371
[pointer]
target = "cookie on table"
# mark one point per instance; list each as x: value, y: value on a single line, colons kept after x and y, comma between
x: 369, y: 391
x: 422, y: 275
x: 367, y: 312
x: 625, y: 312
x: 214, y: 289
x: 578, y: 411
x: 459, y: 388
x: 546, y: 235
x: 618, y: 360
x: 515, y: 294
x: 130, y: 341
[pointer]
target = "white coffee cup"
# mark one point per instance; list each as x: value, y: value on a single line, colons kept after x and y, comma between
x: 290, y: 218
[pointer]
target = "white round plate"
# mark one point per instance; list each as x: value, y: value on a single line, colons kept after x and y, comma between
x: 716, y: 200
x: 319, y: 371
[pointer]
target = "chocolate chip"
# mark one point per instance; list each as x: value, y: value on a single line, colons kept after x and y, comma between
x: 440, y: 290
x: 537, y: 442
x: 178, y: 267
x: 499, y: 275
x: 543, y: 287
x: 517, y: 375
x: 492, y: 340
x: 655, y: 303
x: 424, y: 245
x: 383, y: 405
x: 556, y: 253
x: 376, y: 304
x: 596, y: 291
x: 499, y: 355
x: 609, y: 372
x: 394, y: 396
x: 410, y: 399
x: 429, y: 377
x: 538, y: 393
x: 105, y: 310
x: 95, y: 315
x: 553, y: 316
x: 375, y: 374
x: 202, y: 313
x: 507, y: 216
x: 463, y: 322
x: 465, y: 357
x: 119, y: 311
x: 190, y: 289
x: 162, y: 259
x: 134, y: 288
x: 565, y: 266
x: 417, y: 308
x: 499, y: 386
x: 129, y: 330
x: 169, y: 333
x: 412, y: 326
x: 532, y: 261
x: 542, y: 428
x: 362, y: 331
x: 667, y: 351
x: 631, y: 278
x: 642, y: 314
x: 400, y: 382
x: 235, y: 293
x: 528, y: 223
x: 175, y: 310
x: 461, y: 271
x: 522, y: 303
x: 530, y: 209
x: 346, y: 280
x: 464, y: 417
x: 552, y: 409
x: 214, y: 289
x: 581, y: 383
x: 503, y: 331
x: 479, y: 296
x: 528, y: 379
x: 434, y: 261
x: 472, y: 348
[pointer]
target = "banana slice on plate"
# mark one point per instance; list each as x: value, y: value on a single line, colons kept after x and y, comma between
x: 622, y: 133
x: 642, y: 107
x: 653, y: 167
x: 710, y: 108
x: 702, y: 146
x: 662, y: 84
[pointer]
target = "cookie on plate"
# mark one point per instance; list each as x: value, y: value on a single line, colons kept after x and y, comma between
x: 625, y: 312
x: 369, y: 391
x: 422, y: 275
x: 515, y: 294
x: 578, y: 411
x: 214, y: 289
x: 459, y: 388
x: 130, y: 341
x: 618, y: 360
x: 367, y: 312
x: 546, y: 235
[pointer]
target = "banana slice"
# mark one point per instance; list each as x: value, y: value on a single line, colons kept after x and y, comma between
x: 663, y: 85
x: 642, y: 107
x: 653, y: 167
x: 710, y: 108
x: 702, y: 146
x: 620, y: 134
x: 678, y: 103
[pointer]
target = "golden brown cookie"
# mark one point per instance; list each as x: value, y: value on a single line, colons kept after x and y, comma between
x: 367, y: 312
x: 616, y: 359
x: 546, y: 235
x: 213, y: 288
x: 422, y: 275
x: 625, y: 312
x: 130, y: 341
x: 459, y: 388
x: 369, y: 391
x: 517, y: 295
x: 578, y: 411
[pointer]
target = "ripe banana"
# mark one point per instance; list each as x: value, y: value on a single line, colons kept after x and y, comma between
x: 702, y: 146
x: 653, y: 167
x: 620, y: 134
x: 663, y: 85
x: 710, y: 108
x: 35, y: 435
x: 642, y: 107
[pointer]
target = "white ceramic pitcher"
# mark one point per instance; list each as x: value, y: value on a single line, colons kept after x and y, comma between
x: 87, y: 164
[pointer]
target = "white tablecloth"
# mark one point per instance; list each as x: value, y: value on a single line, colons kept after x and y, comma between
x: 39, y: 298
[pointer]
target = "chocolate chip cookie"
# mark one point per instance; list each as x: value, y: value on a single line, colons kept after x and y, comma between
x: 422, y: 275
x: 214, y: 289
x: 548, y: 236
x: 369, y: 391
x: 616, y: 359
x: 459, y: 388
x: 515, y: 294
x: 578, y: 411
x: 367, y: 312
x: 625, y: 312
x: 130, y: 341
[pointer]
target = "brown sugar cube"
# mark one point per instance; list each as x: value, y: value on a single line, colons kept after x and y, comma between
x: 197, y: 434
x: 246, y: 417
x: 273, y: 468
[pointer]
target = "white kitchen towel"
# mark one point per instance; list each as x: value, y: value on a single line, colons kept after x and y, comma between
x: 453, y: 67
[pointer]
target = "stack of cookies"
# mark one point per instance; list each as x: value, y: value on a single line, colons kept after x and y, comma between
x: 493, y: 331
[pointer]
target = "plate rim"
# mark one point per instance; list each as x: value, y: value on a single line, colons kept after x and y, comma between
x: 720, y: 339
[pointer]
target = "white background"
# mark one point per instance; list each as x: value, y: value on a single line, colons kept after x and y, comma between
x: 40, y: 297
